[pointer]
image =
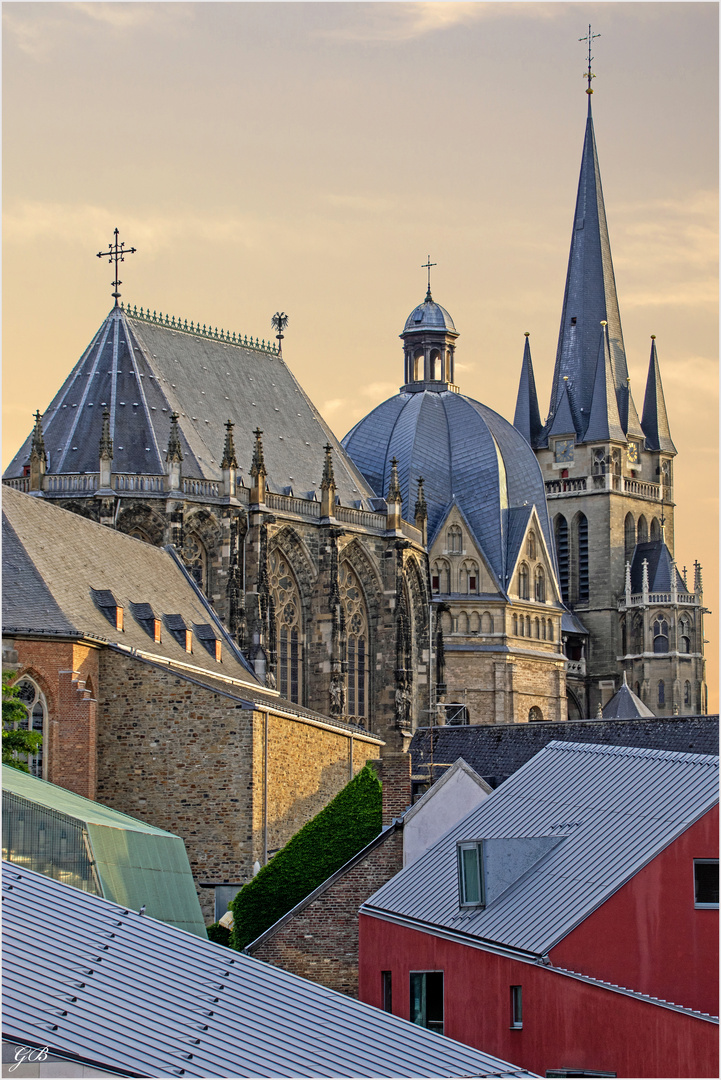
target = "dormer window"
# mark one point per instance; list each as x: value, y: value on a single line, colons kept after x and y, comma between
x: 470, y: 874
x: 109, y: 606
x: 181, y: 632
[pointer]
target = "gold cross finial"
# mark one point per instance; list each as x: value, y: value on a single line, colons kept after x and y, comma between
x: 589, y: 74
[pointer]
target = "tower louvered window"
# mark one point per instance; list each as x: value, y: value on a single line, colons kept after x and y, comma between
x: 286, y: 598
x: 582, y: 557
x: 356, y: 626
x: 562, y: 554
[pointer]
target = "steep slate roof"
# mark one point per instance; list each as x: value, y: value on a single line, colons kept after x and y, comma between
x: 54, y: 562
x: 464, y: 451
x: 660, y: 568
x: 604, y: 421
x: 496, y: 751
x: 165, y: 1003
x: 625, y: 705
x: 590, y: 298
x: 144, y: 370
x: 527, y: 418
x: 655, y: 418
x: 610, y: 809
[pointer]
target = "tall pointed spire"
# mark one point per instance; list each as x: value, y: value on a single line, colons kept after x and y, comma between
x: 174, y: 453
x: 327, y: 485
x: 604, y: 422
x: 528, y: 417
x: 590, y: 298
x: 655, y: 418
x: 421, y: 511
x: 258, y: 471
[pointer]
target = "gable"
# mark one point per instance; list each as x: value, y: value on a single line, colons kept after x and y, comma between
x: 456, y: 548
x: 530, y: 550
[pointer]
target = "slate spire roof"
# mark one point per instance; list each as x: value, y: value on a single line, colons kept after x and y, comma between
x: 625, y: 705
x: 655, y: 419
x: 604, y: 421
x: 590, y: 298
x: 144, y: 369
x: 527, y: 418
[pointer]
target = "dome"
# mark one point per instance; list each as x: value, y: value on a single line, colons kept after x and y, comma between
x: 429, y: 316
x: 466, y: 453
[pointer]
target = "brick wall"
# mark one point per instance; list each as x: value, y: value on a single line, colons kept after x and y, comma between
x: 320, y: 942
x: 394, y: 772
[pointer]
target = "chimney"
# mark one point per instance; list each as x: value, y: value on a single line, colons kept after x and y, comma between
x: 395, y: 776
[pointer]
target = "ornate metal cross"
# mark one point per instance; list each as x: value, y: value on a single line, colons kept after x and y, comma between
x: 116, y: 253
x: 589, y: 75
x: 427, y: 266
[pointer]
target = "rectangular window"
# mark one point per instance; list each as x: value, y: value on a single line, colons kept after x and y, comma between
x: 516, y: 1007
x: 436, y: 583
x: 705, y: 882
x: 427, y: 1000
x: 470, y: 874
x: 387, y: 988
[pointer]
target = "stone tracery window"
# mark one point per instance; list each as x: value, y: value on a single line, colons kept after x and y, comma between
x: 289, y: 623
x: 33, y: 701
x: 441, y: 577
x: 356, y: 628
x: 531, y: 545
x: 684, y: 644
x: 196, y: 560
x: 468, y: 577
x: 523, y: 581
x: 455, y: 539
x: 660, y: 635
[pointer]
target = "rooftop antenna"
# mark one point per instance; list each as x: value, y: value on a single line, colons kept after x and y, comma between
x: 116, y: 253
x: 279, y: 323
x: 427, y: 266
x: 589, y: 74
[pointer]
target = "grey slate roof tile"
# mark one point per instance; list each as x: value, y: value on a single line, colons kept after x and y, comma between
x: 660, y: 568
x: 164, y: 1002
x: 654, y: 421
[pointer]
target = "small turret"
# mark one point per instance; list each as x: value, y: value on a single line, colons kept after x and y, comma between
x: 527, y: 418
x: 174, y: 454
x: 38, y: 460
x: 327, y: 503
x: 258, y: 472
x: 105, y: 453
x: 394, y: 500
x: 421, y: 512
x: 654, y: 420
x: 229, y: 464
x: 604, y: 421
x: 697, y: 580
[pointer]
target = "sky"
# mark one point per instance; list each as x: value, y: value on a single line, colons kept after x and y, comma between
x: 308, y: 157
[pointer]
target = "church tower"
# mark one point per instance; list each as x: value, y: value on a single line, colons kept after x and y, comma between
x: 609, y: 485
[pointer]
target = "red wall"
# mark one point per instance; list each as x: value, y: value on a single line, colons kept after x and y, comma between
x: 648, y: 935
x: 566, y: 1023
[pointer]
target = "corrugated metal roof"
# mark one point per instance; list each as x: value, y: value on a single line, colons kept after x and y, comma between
x: 90, y: 978
x: 615, y: 807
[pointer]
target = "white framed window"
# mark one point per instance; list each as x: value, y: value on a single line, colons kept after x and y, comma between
x: 705, y: 883
x: 470, y: 874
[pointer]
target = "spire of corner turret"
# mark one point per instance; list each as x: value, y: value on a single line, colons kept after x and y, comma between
x: 527, y: 418
x: 105, y: 449
x: 38, y: 441
x: 394, y: 487
x: 604, y: 421
x: 174, y: 453
x: 229, y: 459
x: 628, y: 413
x: 654, y: 420
x: 590, y: 297
x: 563, y: 420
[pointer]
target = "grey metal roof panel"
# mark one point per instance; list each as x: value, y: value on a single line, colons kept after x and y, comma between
x: 428, y: 316
x: 66, y: 558
x: 615, y: 807
x: 88, y: 977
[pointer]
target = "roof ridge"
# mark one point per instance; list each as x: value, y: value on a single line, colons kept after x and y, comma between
x: 632, y: 751
x: 636, y: 993
x: 182, y: 326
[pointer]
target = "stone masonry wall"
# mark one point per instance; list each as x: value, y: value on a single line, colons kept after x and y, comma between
x: 320, y: 942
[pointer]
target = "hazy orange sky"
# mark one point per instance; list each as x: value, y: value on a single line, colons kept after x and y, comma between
x: 308, y: 157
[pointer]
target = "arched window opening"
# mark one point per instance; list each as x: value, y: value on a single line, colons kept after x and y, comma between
x: 687, y: 693
x: 196, y: 560
x: 435, y: 364
x: 660, y: 635
x: 469, y: 577
x: 616, y: 462
x: 140, y: 534
x: 531, y: 545
x: 561, y: 533
x: 463, y: 623
x: 535, y: 715
x: 540, y: 585
x: 543, y: 628
x: 655, y: 529
x: 33, y: 702
x: 629, y: 537
x: 666, y: 473
x: 582, y: 533
x: 418, y: 366
x: 536, y: 627
x: 441, y: 577
x: 475, y: 622
x: 642, y: 530
x: 599, y: 462
x: 684, y: 644
x: 528, y: 625
x: 455, y: 539
x: 356, y: 622
x: 661, y: 692
x: 515, y: 625
x: 288, y: 614
x: 550, y: 630
x: 523, y: 581
x: 486, y: 623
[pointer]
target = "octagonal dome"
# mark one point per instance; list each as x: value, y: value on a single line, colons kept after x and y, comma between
x: 429, y: 316
x: 466, y: 453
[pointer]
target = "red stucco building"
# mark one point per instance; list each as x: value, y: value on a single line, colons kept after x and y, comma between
x: 569, y: 923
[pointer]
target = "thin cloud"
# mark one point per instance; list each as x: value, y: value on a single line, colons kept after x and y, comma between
x: 406, y: 21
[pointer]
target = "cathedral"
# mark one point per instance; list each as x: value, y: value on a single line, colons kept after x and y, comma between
x: 440, y: 564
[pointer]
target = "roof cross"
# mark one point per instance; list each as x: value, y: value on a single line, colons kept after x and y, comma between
x: 427, y: 266
x: 589, y: 74
x: 116, y: 253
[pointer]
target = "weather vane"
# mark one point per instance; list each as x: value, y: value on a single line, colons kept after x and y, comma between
x: 279, y: 323
x: 116, y: 253
x: 427, y: 266
x: 589, y: 74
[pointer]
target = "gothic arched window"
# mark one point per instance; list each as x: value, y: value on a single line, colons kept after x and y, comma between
x: 582, y: 535
x: 515, y: 625
x: 684, y: 643
x: 531, y: 545
x: 486, y: 623
x: 33, y: 701
x: 540, y: 585
x: 629, y: 537
x: 599, y: 462
x: 196, y: 560
x: 642, y: 530
x: 655, y: 533
x: 561, y: 532
x: 441, y: 577
x: 289, y: 626
x: 463, y: 623
x: 468, y: 577
x: 528, y: 625
x: 660, y: 635
x: 418, y: 366
x: 523, y: 581
x: 536, y: 627
x: 455, y: 539
x: 356, y: 628
x: 550, y: 630
x: 687, y: 693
